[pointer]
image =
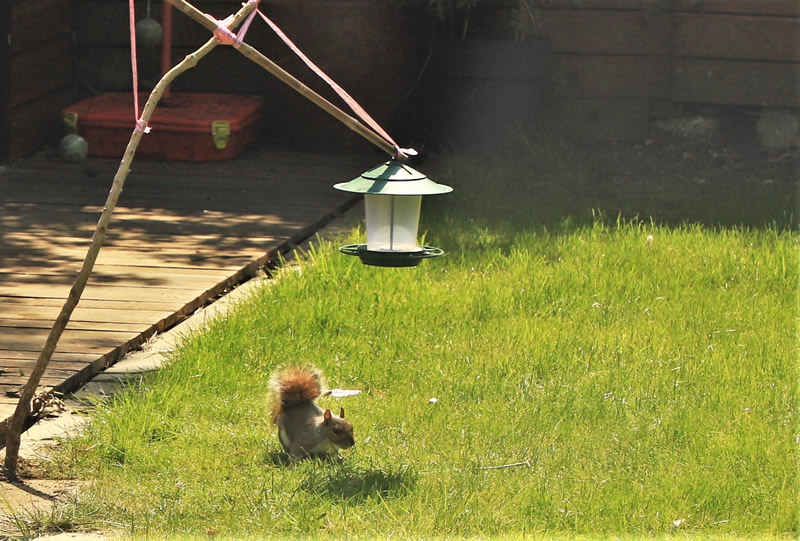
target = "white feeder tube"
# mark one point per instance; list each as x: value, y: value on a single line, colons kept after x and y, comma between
x: 392, y: 222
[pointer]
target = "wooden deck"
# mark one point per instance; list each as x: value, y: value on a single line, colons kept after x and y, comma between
x: 182, y: 234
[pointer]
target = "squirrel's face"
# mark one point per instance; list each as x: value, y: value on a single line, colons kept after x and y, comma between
x: 342, y: 435
x: 338, y: 430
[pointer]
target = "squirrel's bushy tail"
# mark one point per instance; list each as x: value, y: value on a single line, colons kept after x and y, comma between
x: 296, y: 385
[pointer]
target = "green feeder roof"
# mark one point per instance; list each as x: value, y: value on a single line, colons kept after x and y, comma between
x: 393, y: 178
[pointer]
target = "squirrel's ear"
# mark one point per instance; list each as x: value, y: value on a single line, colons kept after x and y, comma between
x: 341, y: 413
x: 327, y: 415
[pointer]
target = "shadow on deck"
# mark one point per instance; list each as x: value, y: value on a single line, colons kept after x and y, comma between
x: 181, y: 235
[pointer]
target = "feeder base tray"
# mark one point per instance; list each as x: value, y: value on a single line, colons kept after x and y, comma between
x: 391, y: 259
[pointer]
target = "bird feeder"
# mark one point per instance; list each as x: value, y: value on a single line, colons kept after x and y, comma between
x: 392, y: 199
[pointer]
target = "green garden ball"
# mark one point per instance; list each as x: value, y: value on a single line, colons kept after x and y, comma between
x: 149, y: 32
x: 73, y: 148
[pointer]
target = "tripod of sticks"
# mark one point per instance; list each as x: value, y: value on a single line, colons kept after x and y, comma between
x: 11, y: 430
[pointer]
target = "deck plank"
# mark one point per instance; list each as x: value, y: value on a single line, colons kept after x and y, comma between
x: 182, y: 234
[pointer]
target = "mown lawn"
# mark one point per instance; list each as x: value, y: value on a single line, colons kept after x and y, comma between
x: 557, y: 373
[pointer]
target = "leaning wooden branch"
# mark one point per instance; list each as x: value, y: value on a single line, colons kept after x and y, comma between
x: 22, y: 413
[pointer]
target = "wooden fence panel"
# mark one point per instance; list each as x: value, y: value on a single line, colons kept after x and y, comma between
x: 28, y: 22
x: 736, y: 82
x: 39, y: 72
x: 617, y: 5
x: 607, y: 32
x: 601, y: 119
x: 752, y: 7
x: 584, y: 76
x: 38, y: 122
x: 747, y: 37
x: 30, y: 81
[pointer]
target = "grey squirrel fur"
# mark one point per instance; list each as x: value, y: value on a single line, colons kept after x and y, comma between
x: 305, y: 429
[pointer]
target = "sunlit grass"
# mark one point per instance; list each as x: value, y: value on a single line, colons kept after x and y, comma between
x: 583, y: 376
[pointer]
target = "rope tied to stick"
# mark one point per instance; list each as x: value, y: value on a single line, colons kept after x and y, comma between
x: 140, y: 125
x: 225, y: 36
x: 368, y: 127
x: 362, y: 114
x: 223, y: 33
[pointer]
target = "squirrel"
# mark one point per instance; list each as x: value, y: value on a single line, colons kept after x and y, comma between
x: 304, y: 429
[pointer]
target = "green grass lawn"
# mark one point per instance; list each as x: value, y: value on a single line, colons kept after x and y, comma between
x: 591, y: 376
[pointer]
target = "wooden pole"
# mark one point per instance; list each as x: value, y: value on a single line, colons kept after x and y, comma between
x: 22, y: 412
x: 285, y: 77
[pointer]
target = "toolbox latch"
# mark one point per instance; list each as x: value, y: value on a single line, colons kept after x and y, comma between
x: 71, y: 121
x: 220, y: 131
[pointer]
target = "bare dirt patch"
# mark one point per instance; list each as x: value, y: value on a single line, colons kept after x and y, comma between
x: 27, y: 493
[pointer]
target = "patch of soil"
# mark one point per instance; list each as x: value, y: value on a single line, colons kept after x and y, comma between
x: 35, y: 492
x: 32, y: 489
x: 717, y: 175
x: 730, y: 150
x: 28, y: 469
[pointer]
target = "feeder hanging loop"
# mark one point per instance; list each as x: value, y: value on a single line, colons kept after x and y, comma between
x: 402, y: 154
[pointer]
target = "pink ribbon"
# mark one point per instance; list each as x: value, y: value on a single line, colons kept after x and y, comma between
x: 246, y: 25
x: 348, y: 99
x: 140, y: 125
x: 225, y: 36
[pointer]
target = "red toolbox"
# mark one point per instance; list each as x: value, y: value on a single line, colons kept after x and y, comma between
x: 184, y: 126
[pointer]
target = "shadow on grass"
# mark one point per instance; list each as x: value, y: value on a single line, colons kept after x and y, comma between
x: 278, y: 458
x: 357, y: 483
x: 338, y: 479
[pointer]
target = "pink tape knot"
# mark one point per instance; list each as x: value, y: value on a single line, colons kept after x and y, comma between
x: 223, y: 35
x: 141, y: 126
